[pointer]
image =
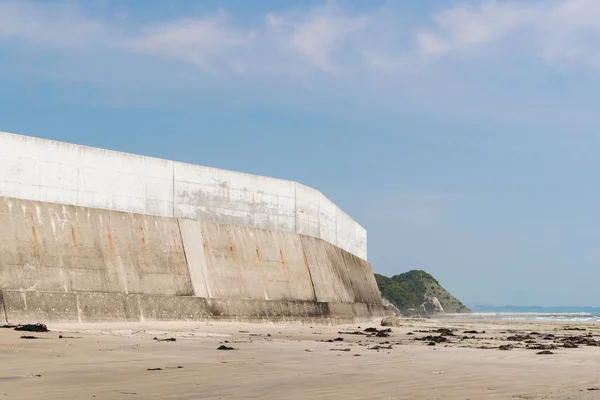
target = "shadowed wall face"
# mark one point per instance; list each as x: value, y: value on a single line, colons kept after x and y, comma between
x: 49, y: 171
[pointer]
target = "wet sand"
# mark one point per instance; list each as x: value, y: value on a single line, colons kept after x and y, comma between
x: 116, y: 361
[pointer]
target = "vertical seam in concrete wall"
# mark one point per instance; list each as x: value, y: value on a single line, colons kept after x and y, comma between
x: 349, y: 273
x: 189, y: 274
x: 139, y: 304
x: 366, y: 243
x: 173, y: 196
x: 78, y: 308
x: 296, y: 207
x: 239, y: 266
x: 78, y: 184
x: 319, y: 233
x: 336, y: 227
x: 3, y: 306
x: 312, y: 283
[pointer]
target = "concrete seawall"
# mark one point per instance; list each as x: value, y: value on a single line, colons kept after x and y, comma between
x: 70, y: 263
x: 50, y: 171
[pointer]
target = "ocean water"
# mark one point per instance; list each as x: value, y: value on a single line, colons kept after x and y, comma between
x: 529, y: 316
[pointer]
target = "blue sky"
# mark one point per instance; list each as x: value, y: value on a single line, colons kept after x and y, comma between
x: 462, y: 134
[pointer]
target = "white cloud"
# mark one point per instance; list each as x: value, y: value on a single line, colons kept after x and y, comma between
x: 328, y: 38
x: 201, y: 40
x: 300, y: 40
x: 385, y: 58
x: 552, y: 30
x: 570, y: 32
x: 464, y: 27
x: 46, y: 25
x: 317, y: 34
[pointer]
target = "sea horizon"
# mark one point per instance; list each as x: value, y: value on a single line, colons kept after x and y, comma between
x: 535, y: 309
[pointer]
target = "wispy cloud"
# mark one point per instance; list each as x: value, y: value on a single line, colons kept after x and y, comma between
x: 570, y: 32
x: 454, y: 60
x: 208, y: 41
x: 465, y: 27
x: 309, y: 39
x: 60, y: 26
x: 327, y: 38
x: 552, y: 30
x: 317, y: 34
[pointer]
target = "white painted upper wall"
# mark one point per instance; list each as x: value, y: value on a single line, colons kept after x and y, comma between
x: 56, y: 172
x: 221, y: 196
x: 44, y: 170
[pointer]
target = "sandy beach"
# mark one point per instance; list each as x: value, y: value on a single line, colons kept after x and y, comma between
x: 269, y: 361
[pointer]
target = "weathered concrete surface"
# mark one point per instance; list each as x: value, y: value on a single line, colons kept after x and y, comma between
x: 38, y: 306
x: 106, y: 307
x: 228, y: 261
x: 52, y: 247
x: 50, y: 171
x: 46, y: 170
x: 197, y: 257
x: 53, y: 307
x: 327, y: 281
x: 226, y: 197
x: 343, y: 282
x: 247, y: 263
x: 362, y: 279
x: 76, y: 264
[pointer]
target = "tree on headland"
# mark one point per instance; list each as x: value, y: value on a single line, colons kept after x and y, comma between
x: 410, y: 290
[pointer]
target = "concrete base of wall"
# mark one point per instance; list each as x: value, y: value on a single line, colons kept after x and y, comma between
x: 59, y: 307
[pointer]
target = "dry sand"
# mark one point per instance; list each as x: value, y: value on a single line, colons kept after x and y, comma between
x: 112, y: 361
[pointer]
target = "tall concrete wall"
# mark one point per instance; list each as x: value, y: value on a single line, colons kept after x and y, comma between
x: 69, y: 263
x: 50, y: 171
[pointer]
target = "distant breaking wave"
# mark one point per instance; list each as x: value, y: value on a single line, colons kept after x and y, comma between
x: 528, y: 316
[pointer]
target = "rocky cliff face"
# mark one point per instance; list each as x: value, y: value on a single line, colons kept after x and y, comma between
x: 418, y: 293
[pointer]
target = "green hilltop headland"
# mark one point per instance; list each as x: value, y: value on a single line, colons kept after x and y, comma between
x: 417, y: 292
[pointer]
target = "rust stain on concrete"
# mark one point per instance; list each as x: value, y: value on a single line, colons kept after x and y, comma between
x: 257, y: 254
x: 206, y: 254
x: 110, y: 241
x: 111, y: 244
x: 175, y: 246
x: 73, y: 236
x: 285, y: 269
x: 36, y: 246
